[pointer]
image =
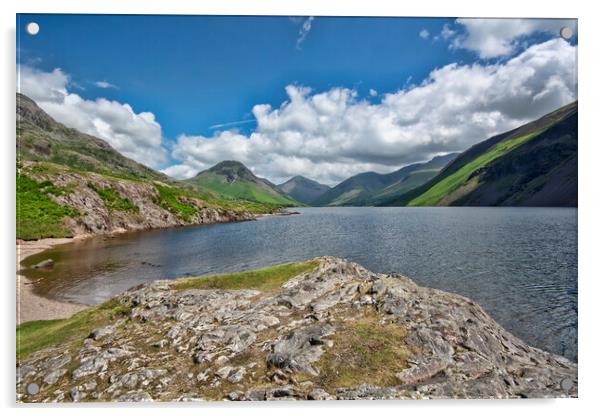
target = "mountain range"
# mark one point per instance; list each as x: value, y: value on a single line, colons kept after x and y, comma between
x: 532, y: 165
x: 372, y: 188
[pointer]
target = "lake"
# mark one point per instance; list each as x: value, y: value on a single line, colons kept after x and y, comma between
x: 520, y: 264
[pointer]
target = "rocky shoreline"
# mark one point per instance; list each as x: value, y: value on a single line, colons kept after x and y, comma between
x: 338, y: 331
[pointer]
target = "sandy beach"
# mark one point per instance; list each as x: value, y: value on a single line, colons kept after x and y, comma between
x: 31, y: 307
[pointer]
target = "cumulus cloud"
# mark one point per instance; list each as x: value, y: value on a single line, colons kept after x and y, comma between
x: 331, y: 135
x: 104, y: 84
x: 304, y: 31
x: 492, y: 38
x: 424, y: 34
x: 135, y: 135
x: 373, y: 92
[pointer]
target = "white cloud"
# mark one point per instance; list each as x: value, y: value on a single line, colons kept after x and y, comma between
x: 424, y: 34
x: 492, y: 38
x: 304, y: 31
x: 180, y: 171
x: 135, y: 135
x: 331, y: 135
x: 373, y: 92
x: 447, y: 32
x: 104, y: 84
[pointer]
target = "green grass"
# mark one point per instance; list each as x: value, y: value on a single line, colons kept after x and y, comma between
x: 265, y: 279
x: 452, y: 182
x: 168, y: 199
x: 36, y: 335
x: 113, y: 200
x: 38, y: 216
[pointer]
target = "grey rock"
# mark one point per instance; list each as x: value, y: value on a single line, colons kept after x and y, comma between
x: 44, y: 264
x: 77, y: 394
x: 224, y: 372
x: 53, y: 377
x: 234, y: 395
x: 135, y: 396
x: 92, y: 365
x: 237, y: 376
x: 299, y: 349
x: 101, y: 333
x: 319, y: 394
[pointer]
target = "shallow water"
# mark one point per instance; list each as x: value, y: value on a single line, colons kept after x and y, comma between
x: 520, y: 264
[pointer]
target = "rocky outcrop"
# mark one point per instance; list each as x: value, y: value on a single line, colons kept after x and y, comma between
x: 293, y: 343
x: 138, y: 204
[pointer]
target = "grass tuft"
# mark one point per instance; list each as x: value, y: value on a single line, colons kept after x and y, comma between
x: 113, y: 200
x: 168, y: 199
x: 36, y: 335
x: 265, y: 279
x: 365, y: 351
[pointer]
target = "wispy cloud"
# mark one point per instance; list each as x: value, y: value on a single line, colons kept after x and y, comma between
x: 304, y: 31
x: 424, y: 34
x: 231, y: 123
x: 104, y: 84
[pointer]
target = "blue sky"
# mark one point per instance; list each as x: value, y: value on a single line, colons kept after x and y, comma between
x: 195, y: 74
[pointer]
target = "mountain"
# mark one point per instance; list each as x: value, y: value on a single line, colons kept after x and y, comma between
x: 233, y: 180
x: 302, y: 189
x: 41, y: 138
x: 372, y: 188
x: 70, y: 183
x: 532, y: 165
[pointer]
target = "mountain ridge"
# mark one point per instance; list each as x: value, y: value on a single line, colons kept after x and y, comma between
x: 369, y: 188
x: 510, y: 169
x: 303, y: 189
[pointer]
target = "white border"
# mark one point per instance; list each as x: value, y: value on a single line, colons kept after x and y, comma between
x: 590, y: 153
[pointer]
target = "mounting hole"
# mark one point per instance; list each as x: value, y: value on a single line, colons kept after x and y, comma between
x: 33, y: 388
x: 566, y: 32
x: 32, y: 28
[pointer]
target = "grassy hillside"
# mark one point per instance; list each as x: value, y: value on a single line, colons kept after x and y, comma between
x: 233, y: 180
x: 69, y: 183
x: 452, y: 182
x: 534, y: 164
x: 38, y: 215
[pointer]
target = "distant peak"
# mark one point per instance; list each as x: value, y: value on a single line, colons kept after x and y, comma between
x: 229, y: 164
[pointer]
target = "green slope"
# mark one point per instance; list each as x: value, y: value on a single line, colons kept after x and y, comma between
x: 452, y: 182
x: 534, y: 164
x: 233, y: 180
